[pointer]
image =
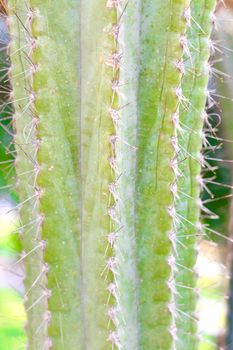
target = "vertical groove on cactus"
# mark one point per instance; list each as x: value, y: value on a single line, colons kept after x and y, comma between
x: 129, y: 46
x: 99, y: 62
x: 190, y: 136
x: 159, y: 96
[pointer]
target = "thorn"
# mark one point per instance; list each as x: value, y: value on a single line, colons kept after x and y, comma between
x: 114, y: 60
x: 115, y: 85
x: 181, y: 66
x: 112, y: 237
x: 43, y: 245
x: 111, y: 266
x: 112, y: 188
x: 112, y: 162
x: 31, y: 14
x: 112, y: 314
x: 48, y: 344
x: 112, y: 212
x: 115, y: 31
x: 39, y: 192
x: 174, y: 189
x: 172, y: 308
x: 172, y: 285
x: 183, y: 41
x: 113, y: 3
x: 114, y: 113
x: 113, y: 139
x: 112, y: 288
x: 171, y: 211
x: 33, y: 43
x: 187, y: 16
x: 173, y: 332
x: 114, y: 339
x: 174, y: 143
x: 173, y: 239
x: 47, y: 293
x: 171, y: 262
x: 47, y: 317
x: 45, y: 268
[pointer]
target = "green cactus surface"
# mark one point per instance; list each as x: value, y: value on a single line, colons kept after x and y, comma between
x: 109, y: 96
x: 190, y: 136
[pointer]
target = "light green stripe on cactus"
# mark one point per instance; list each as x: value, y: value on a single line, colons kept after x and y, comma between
x: 162, y: 26
x: 73, y: 194
x: 97, y: 126
x: 56, y: 85
x: 194, y: 86
x: 54, y: 186
x: 26, y: 166
x: 129, y: 45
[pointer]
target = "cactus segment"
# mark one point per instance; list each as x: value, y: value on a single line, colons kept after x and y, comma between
x: 100, y: 95
x: 27, y: 169
x: 190, y: 139
x: 47, y: 126
x: 159, y: 98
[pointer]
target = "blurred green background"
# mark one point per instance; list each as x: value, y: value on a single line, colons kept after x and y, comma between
x: 12, y: 315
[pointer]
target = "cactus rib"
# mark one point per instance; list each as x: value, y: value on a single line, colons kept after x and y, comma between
x: 41, y: 128
x: 190, y: 136
x: 158, y: 103
x: 27, y: 168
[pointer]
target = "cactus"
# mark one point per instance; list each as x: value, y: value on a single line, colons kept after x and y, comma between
x: 190, y: 136
x: 103, y: 113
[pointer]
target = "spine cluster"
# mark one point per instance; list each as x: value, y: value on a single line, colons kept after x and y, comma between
x: 113, y: 61
x: 174, y: 187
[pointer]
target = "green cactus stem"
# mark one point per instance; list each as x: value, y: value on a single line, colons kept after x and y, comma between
x: 190, y: 136
x: 55, y: 117
x: 97, y: 96
x: 158, y: 104
x: 27, y: 169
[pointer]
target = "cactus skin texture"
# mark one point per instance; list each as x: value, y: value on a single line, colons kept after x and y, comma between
x: 158, y: 102
x: 26, y: 166
x: 51, y: 220
x: 190, y: 136
x: 97, y: 95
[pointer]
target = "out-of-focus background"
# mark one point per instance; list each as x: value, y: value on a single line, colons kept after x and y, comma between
x: 215, y: 262
x: 12, y: 315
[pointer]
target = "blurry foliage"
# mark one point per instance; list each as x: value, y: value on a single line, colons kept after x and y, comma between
x: 6, y: 109
x: 219, y: 203
x: 12, y: 316
x: 221, y: 119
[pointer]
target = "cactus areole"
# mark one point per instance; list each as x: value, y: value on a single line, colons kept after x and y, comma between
x: 109, y: 99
